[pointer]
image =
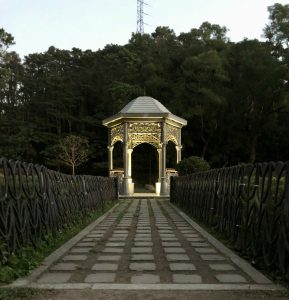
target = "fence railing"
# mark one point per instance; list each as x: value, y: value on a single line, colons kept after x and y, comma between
x: 249, y: 204
x: 36, y: 201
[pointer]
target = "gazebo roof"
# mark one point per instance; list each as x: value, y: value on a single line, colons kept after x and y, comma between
x: 144, y: 107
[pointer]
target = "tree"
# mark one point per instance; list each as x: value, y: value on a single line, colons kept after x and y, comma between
x: 234, y: 96
x: 258, y: 86
x: 14, y: 130
x: 204, y: 85
x: 192, y: 165
x: 277, y: 31
x: 208, y: 31
x: 73, y: 151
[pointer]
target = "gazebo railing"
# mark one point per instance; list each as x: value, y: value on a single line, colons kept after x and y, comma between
x: 118, y: 175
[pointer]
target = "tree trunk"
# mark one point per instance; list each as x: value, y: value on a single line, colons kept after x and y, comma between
x: 204, y: 150
x: 253, y: 146
x: 73, y: 169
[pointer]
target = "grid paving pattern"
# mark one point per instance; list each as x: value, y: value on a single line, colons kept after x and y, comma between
x: 145, y: 241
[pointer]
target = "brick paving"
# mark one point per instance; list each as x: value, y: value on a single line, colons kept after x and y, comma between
x: 145, y: 241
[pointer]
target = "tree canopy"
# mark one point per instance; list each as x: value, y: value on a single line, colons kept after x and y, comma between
x: 234, y: 95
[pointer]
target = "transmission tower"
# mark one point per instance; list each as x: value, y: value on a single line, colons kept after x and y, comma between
x: 140, y: 16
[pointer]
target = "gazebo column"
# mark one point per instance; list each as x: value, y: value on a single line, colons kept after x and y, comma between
x: 129, y: 153
x: 163, y: 160
x: 110, y: 158
x: 179, y: 153
x: 125, y: 161
x: 160, y: 164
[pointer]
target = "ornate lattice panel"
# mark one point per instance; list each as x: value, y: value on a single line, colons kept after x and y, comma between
x: 173, y: 134
x: 144, y: 132
x: 117, y: 134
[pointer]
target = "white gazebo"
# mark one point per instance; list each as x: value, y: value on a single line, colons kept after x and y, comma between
x: 143, y: 120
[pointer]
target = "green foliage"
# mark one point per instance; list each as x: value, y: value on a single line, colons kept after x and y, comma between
x: 192, y: 165
x: 277, y: 31
x: 27, y: 258
x: 234, y: 95
x: 6, y: 39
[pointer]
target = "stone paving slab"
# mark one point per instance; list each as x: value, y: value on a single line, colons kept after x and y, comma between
x: 112, y: 250
x: 177, y: 257
x: 145, y: 279
x: 141, y: 250
x: 146, y: 242
x: 101, y: 277
x: 64, y: 267
x: 105, y: 267
x: 182, y: 267
x: 75, y: 257
x: 174, y: 250
x: 142, y: 257
x: 184, y: 278
x: 222, y: 267
x: 142, y: 266
x: 143, y: 244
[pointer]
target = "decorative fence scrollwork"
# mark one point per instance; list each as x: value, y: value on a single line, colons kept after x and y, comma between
x: 249, y: 204
x: 36, y: 201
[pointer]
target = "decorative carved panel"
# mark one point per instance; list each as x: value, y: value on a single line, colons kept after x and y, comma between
x: 173, y: 134
x: 117, y: 134
x: 144, y: 132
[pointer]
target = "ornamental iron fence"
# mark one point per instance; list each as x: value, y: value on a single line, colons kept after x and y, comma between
x: 36, y: 201
x: 248, y: 203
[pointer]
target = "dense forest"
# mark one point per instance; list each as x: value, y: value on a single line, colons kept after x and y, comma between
x: 234, y: 95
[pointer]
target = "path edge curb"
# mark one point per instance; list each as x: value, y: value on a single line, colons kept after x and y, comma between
x: 256, y: 275
x: 55, y: 255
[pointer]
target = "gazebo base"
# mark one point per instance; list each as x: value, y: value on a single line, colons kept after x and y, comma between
x: 144, y: 196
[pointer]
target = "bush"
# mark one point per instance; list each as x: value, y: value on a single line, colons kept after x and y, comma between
x: 191, y: 165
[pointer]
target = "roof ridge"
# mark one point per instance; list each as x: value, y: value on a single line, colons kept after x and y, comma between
x: 155, y: 103
x: 160, y: 105
x: 144, y: 104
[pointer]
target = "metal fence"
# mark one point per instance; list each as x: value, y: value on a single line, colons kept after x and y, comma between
x: 249, y: 204
x: 36, y: 201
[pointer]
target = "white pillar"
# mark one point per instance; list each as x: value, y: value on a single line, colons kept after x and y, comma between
x: 164, y: 156
x: 110, y: 158
x: 125, y: 160
x: 129, y: 152
x: 179, y: 153
x: 160, y: 163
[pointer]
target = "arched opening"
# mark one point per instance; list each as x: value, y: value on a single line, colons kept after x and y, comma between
x: 144, y: 167
x: 171, y: 156
x: 117, y: 156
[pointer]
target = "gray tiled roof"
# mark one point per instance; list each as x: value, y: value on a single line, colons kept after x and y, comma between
x: 144, y: 105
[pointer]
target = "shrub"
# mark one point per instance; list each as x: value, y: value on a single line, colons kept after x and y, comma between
x: 191, y: 165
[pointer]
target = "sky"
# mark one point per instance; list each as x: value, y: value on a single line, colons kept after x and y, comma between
x: 92, y: 24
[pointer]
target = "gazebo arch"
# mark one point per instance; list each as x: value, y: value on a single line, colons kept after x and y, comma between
x: 145, y: 166
x: 143, y: 120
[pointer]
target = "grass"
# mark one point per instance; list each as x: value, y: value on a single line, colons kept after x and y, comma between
x: 22, y: 262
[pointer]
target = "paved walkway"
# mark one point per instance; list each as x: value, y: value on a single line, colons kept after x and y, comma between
x: 145, y: 244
